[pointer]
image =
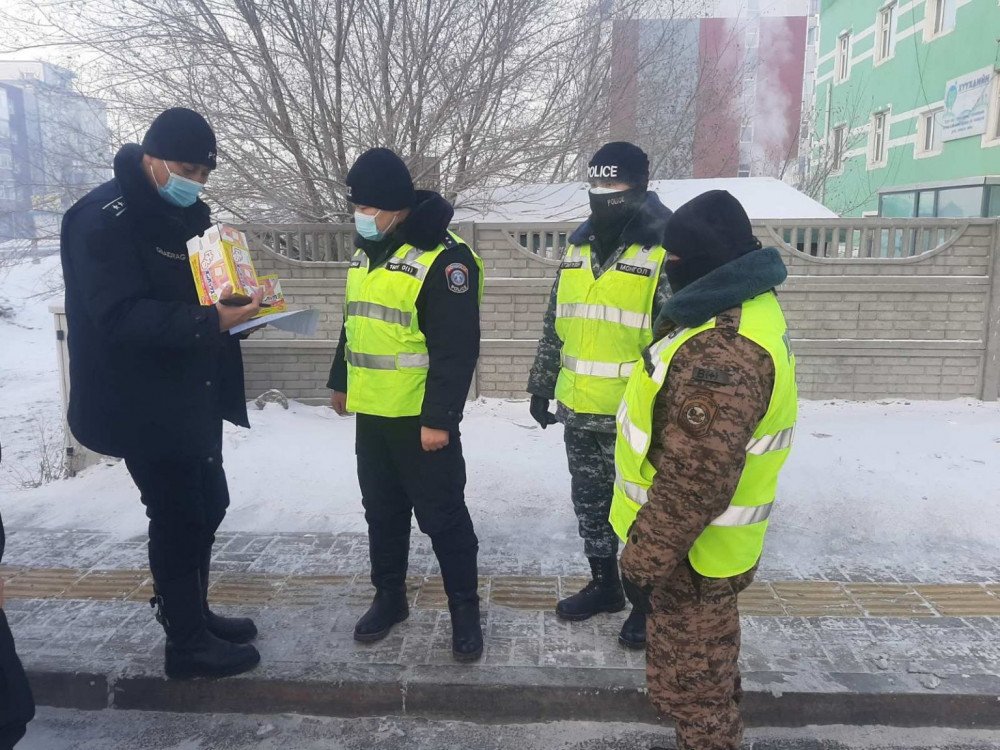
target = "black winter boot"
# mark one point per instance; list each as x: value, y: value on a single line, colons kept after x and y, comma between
x: 466, y: 626
x: 633, y: 632
x: 232, y: 629
x: 191, y: 650
x: 388, y: 608
x: 603, y: 594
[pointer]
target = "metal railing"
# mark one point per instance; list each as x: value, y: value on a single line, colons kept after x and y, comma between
x: 304, y: 242
x: 865, y: 238
x: 545, y: 241
x: 844, y: 239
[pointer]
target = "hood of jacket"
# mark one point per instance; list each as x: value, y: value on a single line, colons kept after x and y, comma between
x: 726, y: 287
x: 645, y: 228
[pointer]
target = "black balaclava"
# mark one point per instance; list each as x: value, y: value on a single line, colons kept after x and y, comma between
x: 705, y: 233
x: 610, y: 213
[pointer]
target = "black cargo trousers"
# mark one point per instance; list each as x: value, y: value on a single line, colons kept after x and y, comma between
x: 399, y: 478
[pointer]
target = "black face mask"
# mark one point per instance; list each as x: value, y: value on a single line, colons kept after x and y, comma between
x: 681, y: 272
x: 614, y: 208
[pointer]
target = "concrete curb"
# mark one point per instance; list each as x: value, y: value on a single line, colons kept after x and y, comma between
x: 522, y: 694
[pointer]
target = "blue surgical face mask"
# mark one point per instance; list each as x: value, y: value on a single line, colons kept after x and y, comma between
x: 367, y: 226
x: 179, y: 191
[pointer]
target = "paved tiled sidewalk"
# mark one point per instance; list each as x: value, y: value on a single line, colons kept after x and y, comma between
x: 77, y: 602
x: 346, y: 554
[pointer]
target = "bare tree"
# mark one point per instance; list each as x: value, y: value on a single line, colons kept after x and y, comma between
x: 470, y: 92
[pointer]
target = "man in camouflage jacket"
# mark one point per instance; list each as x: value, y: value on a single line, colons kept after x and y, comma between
x: 714, y: 265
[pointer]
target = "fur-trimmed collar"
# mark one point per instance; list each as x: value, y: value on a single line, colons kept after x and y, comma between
x: 726, y: 287
x: 646, y: 227
x: 427, y: 225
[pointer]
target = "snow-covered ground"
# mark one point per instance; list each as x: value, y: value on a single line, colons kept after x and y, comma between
x: 900, y: 487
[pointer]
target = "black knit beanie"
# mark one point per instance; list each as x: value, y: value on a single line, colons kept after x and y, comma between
x: 705, y: 233
x: 380, y: 179
x: 181, y: 134
x: 622, y: 162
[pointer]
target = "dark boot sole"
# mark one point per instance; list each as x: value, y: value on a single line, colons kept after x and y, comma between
x: 587, y: 615
x: 193, y: 673
x: 379, y: 635
x: 632, y: 645
x: 469, y: 657
x: 241, y: 640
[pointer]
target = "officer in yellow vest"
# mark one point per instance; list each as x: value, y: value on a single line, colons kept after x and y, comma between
x: 609, y: 289
x: 404, y: 365
x: 703, y: 431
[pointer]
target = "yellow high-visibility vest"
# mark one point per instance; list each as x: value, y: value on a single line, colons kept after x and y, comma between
x: 387, y: 358
x: 604, y: 324
x: 733, y: 542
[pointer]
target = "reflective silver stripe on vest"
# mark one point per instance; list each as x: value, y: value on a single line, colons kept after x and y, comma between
x: 635, y: 436
x: 412, y: 254
x: 742, y: 515
x: 387, y: 361
x: 635, y: 492
x: 597, y: 369
x: 379, y: 312
x: 768, y: 443
x: 605, y: 313
x: 657, y: 349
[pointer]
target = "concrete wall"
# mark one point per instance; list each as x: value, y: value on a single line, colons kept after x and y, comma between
x: 923, y: 327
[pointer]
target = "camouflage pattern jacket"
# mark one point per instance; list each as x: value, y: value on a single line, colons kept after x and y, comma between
x: 646, y: 229
x: 699, y: 463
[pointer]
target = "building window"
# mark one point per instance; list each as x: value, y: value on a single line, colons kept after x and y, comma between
x: 843, y: 57
x: 878, y: 149
x: 929, y: 140
x: 960, y: 202
x: 927, y: 204
x: 993, y: 202
x: 885, y: 39
x: 897, y: 205
x: 939, y: 18
x: 837, y: 148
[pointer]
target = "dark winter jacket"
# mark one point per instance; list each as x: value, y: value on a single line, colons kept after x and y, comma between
x: 646, y: 229
x: 150, y: 373
x: 17, y: 707
x: 448, y: 319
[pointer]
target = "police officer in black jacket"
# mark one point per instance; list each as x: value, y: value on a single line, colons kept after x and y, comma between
x: 415, y: 287
x: 154, y: 373
x: 17, y: 705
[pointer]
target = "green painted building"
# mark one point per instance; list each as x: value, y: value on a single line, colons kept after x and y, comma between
x: 907, y: 107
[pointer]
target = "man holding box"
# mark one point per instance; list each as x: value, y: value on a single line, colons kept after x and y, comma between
x: 404, y: 364
x: 153, y: 373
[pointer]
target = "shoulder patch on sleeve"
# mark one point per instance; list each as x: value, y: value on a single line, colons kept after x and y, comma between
x: 712, y: 376
x: 457, y: 275
x: 697, y: 414
x: 116, y: 207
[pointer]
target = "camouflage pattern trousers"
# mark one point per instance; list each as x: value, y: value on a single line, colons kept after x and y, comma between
x: 591, y: 456
x: 693, y: 644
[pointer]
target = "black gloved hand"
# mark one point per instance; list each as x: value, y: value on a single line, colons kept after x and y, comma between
x: 637, y: 596
x: 540, y: 411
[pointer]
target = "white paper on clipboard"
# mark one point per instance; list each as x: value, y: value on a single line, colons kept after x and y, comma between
x: 302, y: 322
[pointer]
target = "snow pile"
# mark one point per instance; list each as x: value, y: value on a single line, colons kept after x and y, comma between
x: 895, y: 486
x: 761, y: 197
x: 30, y: 403
x: 908, y: 488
